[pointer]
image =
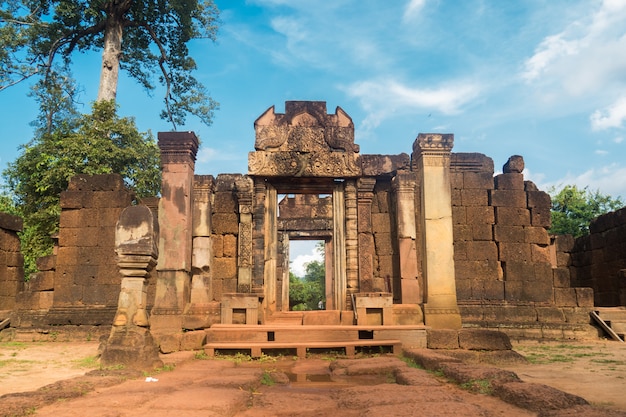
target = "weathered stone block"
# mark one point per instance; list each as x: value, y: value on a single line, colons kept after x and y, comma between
x: 169, y: 342
x: 442, y: 339
x: 478, y: 180
x: 537, y: 291
x: 539, y: 200
x: 510, y: 234
x: 9, y: 241
x: 565, y: 297
x: 324, y: 317
x: 537, y: 235
x: 463, y: 288
x: 194, y: 340
x: 455, y: 197
x: 14, y: 260
x: 507, y: 198
x: 482, y: 232
x: 385, y: 266
x: 518, y: 271
x: 482, y: 250
x: 225, y: 268
x: 230, y: 246
x: 513, y: 290
x: 11, y: 223
x: 462, y: 232
x: 458, y: 215
x: 540, y: 253
x: 381, y: 223
x: 479, y: 215
x: 474, y: 197
x: 479, y: 339
x: 563, y: 259
x: 225, y: 223
x: 561, y: 277
x: 484, y: 269
x: 584, y: 297
x: 512, y: 216
x: 550, y: 315
x: 517, y: 252
x: 41, y: 281
x: 540, y: 217
x: 383, y: 244
x: 493, y: 290
x: 456, y: 180
x: 407, y: 314
x: 509, y: 181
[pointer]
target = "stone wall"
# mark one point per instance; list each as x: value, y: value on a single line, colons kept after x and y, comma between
x: 225, y: 224
x: 11, y: 261
x: 507, y: 274
x: 386, y: 265
x: 599, y: 259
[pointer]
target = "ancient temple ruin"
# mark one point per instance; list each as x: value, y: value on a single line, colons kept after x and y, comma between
x: 412, y: 242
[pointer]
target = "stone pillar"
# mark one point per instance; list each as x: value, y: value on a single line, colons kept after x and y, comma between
x: 130, y: 342
x: 244, y: 189
x: 271, y: 248
x: 258, y: 236
x: 403, y: 185
x: 352, y: 241
x: 433, y: 163
x: 365, y: 188
x: 198, y: 312
x: 339, y: 248
x: 178, y: 155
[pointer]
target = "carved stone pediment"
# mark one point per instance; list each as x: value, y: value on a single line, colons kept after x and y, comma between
x: 304, y: 141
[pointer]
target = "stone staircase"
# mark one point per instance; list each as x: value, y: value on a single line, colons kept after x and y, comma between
x: 298, y: 338
x: 612, y: 320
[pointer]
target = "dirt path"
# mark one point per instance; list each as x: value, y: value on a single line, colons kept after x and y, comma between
x: 288, y: 387
x: 594, y: 370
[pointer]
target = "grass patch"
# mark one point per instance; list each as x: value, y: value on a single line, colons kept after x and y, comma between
x: 481, y: 386
x: 267, y: 380
x: 13, y: 345
x: 201, y: 355
x: 88, y: 362
x: 410, y: 362
x: 608, y: 361
x: 561, y: 353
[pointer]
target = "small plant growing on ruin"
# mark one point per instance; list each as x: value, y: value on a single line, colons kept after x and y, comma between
x: 481, y: 386
x: 266, y: 379
x: 201, y: 355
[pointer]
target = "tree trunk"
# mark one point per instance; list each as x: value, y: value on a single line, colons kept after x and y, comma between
x: 110, y: 58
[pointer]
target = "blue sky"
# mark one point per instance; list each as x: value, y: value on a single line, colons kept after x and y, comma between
x: 542, y: 79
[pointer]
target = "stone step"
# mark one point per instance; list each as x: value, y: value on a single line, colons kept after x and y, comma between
x: 411, y: 336
x: 257, y: 349
x: 612, y: 314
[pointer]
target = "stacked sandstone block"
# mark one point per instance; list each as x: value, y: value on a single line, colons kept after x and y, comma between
x: 599, y: 259
x: 11, y: 261
x: 86, y: 271
x: 225, y: 223
x: 384, y: 236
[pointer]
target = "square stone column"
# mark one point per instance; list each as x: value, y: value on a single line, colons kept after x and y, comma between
x: 178, y: 156
x: 432, y: 152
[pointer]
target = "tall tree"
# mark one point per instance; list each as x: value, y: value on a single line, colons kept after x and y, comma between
x: 146, y: 38
x: 96, y: 143
x: 573, y: 209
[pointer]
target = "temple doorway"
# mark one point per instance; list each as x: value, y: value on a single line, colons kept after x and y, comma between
x: 307, y: 275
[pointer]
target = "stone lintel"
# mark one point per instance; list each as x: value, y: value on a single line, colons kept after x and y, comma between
x: 333, y: 164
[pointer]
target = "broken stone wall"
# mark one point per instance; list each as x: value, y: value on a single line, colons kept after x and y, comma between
x: 505, y: 273
x: 11, y: 261
x: 86, y: 281
x: 599, y: 259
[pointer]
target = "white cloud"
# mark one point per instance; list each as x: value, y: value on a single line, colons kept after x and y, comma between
x: 601, y: 152
x: 618, y: 139
x: 586, y: 56
x: 611, y: 117
x: 382, y: 98
x: 609, y: 180
x: 412, y: 9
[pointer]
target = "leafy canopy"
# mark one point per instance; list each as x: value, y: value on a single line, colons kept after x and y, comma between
x: 148, y: 39
x: 573, y: 209
x: 305, y: 293
x: 96, y: 143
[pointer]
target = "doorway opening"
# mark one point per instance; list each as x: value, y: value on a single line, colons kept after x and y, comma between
x: 307, y: 275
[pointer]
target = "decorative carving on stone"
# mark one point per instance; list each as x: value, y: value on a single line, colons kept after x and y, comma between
x: 130, y: 342
x: 178, y: 147
x: 305, y: 141
x: 433, y: 143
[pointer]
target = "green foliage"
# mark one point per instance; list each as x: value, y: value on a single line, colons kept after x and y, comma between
x: 97, y: 143
x: 574, y: 208
x: 305, y: 293
x: 39, y: 38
